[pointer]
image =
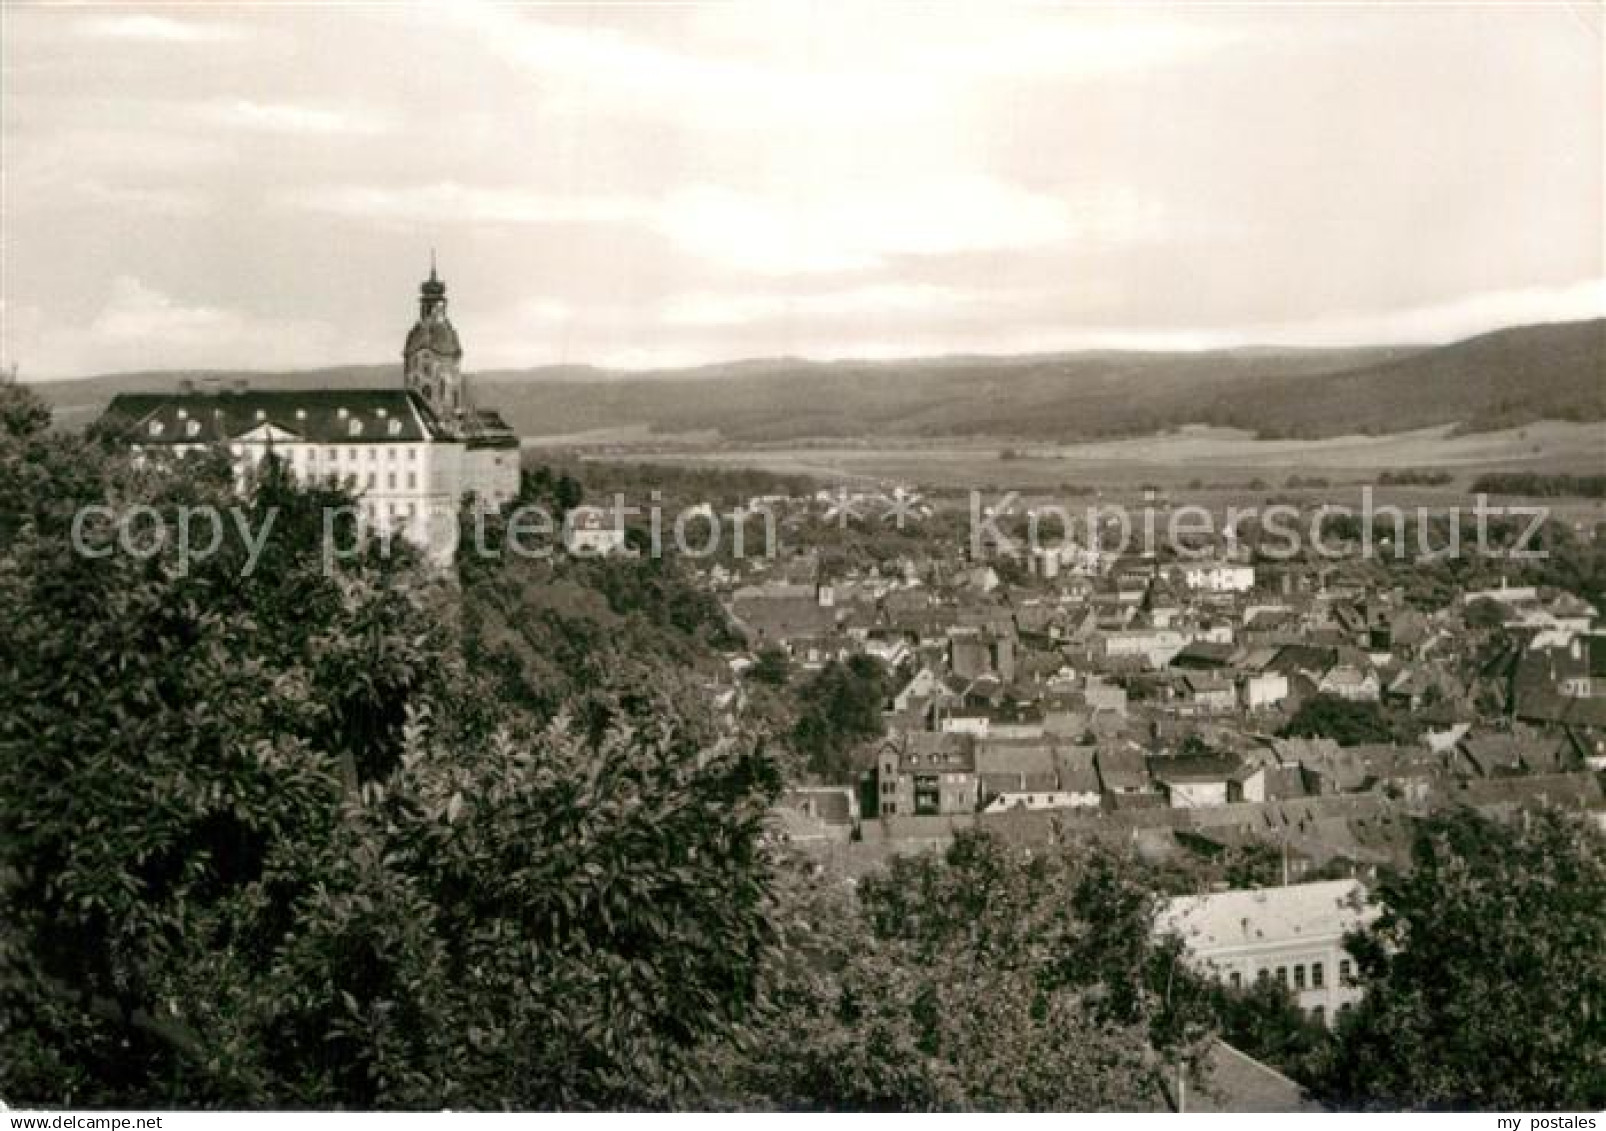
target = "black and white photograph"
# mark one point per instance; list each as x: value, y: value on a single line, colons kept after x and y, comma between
x: 795, y: 558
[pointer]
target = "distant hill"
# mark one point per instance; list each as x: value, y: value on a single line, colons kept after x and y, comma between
x: 1509, y: 377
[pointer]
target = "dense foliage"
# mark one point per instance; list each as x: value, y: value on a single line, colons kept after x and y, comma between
x: 1347, y: 722
x: 1537, y: 483
x: 281, y: 832
x: 839, y: 711
x: 1485, y: 985
x: 985, y: 978
x: 272, y: 838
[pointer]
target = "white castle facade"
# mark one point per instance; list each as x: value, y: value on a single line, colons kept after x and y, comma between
x: 409, y: 453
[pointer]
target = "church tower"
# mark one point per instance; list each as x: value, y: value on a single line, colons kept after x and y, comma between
x: 432, y: 360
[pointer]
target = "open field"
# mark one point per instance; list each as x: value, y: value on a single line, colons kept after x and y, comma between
x: 1210, y: 456
x: 1211, y: 467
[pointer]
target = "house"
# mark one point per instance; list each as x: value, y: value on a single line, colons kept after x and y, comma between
x: 818, y: 813
x: 921, y: 773
x: 1350, y: 681
x: 1156, y: 646
x: 1232, y: 1081
x: 781, y: 615
x: 923, y: 685
x: 975, y: 655
x: 1262, y: 690
x: 1506, y: 755
x: 1122, y: 770
x: 1292, y: 934
x: 587, y: 532
x: 1102, y: 696
x: 1204, y: 655
x: 1194, y: 781
x: 1208, y: 692
x: 1218, y: 577
x: 1036, y: 776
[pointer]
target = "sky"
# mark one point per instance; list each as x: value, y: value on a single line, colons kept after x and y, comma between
x: 260, y: 186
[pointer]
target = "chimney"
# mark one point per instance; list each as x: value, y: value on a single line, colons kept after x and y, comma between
x: 241, y: 385
x: 210, y: 385
x: 186, y: 386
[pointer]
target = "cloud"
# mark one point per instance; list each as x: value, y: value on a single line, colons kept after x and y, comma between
x: 451, y: 202
x: 770, y: 65
x: 168, y: 202
x: 153, y: 29
x: 632, y: 77
x: 772, y: 233
x: 140, y: 327
x: 707, y: 308
x: 135, y: 311
x: 1074, y: 51
x: 1444, y: 321
x: 285, y: 118
x: 858, y: 228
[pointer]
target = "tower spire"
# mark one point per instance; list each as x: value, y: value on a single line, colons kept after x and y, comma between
x: 432, y: 277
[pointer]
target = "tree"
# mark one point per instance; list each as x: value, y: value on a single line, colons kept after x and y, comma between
x: 1265, y: 1021
x: 1345, y: 721
x: 838, y: 711
x: 1485, y: 988
x: 22, y: 412
x: 982, y: 979
x: 274, y: 840
x: 1485, y: 613
x: 770, y: 667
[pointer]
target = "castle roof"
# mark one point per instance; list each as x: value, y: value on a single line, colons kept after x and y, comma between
x: 317, y: 416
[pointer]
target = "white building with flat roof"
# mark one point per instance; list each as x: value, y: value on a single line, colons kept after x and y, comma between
x: 1292, y: 934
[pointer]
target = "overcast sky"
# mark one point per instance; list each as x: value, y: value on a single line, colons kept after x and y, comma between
x: 201, y: 185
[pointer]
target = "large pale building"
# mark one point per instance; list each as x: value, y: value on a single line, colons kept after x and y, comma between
x: 409, y: 453
x: 1293, y: 935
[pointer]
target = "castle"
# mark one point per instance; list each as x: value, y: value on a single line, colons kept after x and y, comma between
x: 408, y: 453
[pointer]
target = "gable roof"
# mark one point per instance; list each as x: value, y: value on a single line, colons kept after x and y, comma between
x: 1233, y: 1081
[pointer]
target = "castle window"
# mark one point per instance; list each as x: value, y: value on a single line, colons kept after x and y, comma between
x: 355, y: 427
x: 156, y: 427
x: 193, y: 428
x: 261, y: 414
x: 412, y: 480
x: 342, y: 413
x: 395, y: 427
x: 390, y: 481
x: 412, y: 454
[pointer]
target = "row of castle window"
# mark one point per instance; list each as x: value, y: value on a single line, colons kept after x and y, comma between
x: 369, y: 454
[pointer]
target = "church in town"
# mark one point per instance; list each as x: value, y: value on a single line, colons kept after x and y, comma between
x: 409, y: 453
